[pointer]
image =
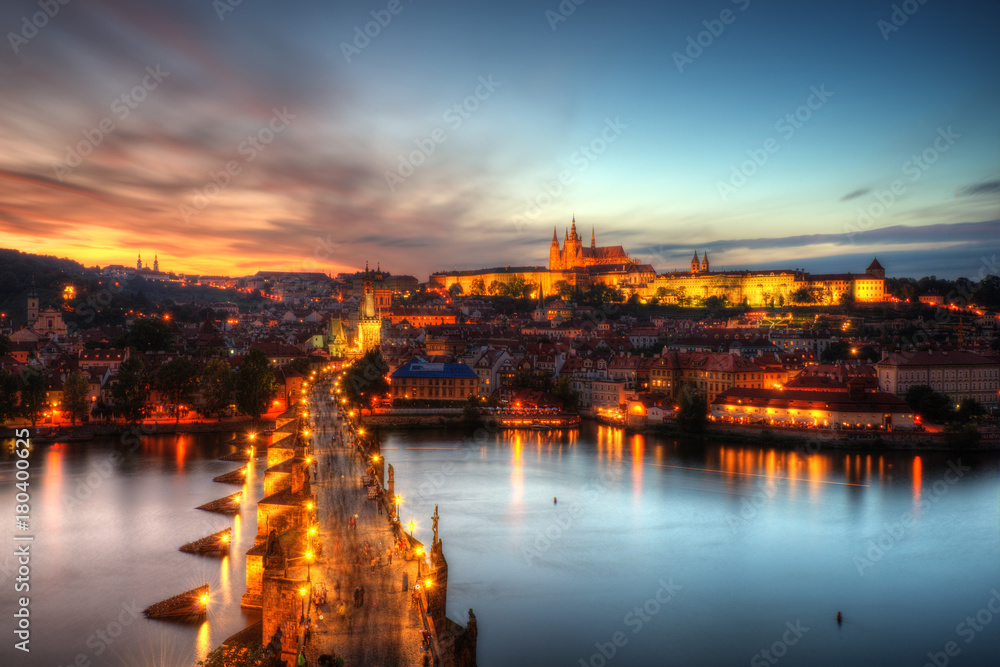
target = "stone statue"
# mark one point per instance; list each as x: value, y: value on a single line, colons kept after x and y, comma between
x: 273, y: 546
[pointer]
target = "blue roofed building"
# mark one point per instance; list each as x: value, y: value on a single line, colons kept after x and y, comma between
x: 435, y: 381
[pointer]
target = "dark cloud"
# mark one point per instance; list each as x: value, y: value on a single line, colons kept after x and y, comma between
x: 855, y: 194
x: 987, y: 188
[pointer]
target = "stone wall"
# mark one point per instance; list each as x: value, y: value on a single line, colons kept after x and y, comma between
x: 282, y: 609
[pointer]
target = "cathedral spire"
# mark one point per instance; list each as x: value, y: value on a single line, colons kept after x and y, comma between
x: 572, y: 230
x: 555, y: 239
x: 593, y: 237
x: 694, y: 262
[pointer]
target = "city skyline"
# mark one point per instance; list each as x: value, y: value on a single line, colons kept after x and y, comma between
x: 520, y: 116
x: 967, y: 261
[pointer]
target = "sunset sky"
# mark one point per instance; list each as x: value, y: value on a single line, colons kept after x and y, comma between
x: 440, y: 142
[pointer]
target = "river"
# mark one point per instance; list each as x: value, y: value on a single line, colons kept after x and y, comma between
x: 659, y: 552
x: 107, y: 520
x: 656, y: 552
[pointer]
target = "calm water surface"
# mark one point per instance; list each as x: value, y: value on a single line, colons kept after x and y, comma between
x: 743, y: 543
x: 107, y: 530
x: 687, y: 555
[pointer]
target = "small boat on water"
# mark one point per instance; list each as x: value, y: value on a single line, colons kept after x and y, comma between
x: 52, y: 435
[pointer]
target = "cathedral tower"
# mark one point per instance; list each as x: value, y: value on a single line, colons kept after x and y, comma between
x: 555, y: 261
x: 704, y: 262
x: 369, y: 319
x: 694, y: 262
x: 32, y: 306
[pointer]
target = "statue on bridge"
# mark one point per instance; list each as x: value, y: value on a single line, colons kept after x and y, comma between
x: 435, y: 519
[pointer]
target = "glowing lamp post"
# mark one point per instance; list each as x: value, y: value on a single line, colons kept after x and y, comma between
x: 398, y: 500
x: 411, y: 529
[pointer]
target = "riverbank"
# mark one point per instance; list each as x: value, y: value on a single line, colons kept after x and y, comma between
x: 816, y: 439
x: 750, y: 434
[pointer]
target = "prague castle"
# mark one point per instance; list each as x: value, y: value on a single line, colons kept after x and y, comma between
x: 577, y: 265
x: 765, y: 288
x: 582, y: 266
x: 574, y: 256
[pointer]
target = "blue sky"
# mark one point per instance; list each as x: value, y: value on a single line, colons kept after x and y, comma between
x: 458, y: 134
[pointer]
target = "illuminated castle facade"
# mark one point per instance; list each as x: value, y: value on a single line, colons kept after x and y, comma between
x: 765, y: 288
x: 581, y: 266
x: 577, y: 265
x: 574, y: 255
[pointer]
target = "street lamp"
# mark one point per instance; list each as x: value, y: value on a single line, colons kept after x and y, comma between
x: 411, y: 529
x: 398, y: 500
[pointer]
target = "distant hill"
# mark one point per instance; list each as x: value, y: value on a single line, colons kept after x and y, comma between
x: 21, y: 272
x: 18, y: 270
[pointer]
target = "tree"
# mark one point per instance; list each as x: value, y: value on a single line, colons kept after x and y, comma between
x: 803, y: 295
x: 600, y: 294
x: 32, y: 394
x: 713, y: 302
x: 5, y: 345
x: 76, y: 396
x: 692, y: 410
x: 478, y: 287
x: 564, y: 391
x: 835, y: 351
x: 217, y: 383
x: 148, y: 334
x: 847, y: 301
x: 470, y: 411
x: 928, y: 403
x: 515, y: 288
x: 961, y: 435
x: 365, y: 380
x: 177, y: 380
x: 8, y: 396
x: 969, y: 410
x: 255, y: 384
x: 496, y: 288
x: 302, y: 365
x: 563, y: 289
x: 455, y: 289
x: 130, y: 391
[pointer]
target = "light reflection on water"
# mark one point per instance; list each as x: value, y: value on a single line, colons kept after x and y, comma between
x: 757, y: 537
x: 108, y: 523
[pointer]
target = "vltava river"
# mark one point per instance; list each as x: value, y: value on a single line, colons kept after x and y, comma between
x: 665, y: 553
x: 656, y: 552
